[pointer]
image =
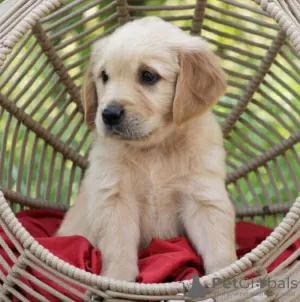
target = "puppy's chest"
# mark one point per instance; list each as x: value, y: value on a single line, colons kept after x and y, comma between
x: 155, y: 183
x: 157, y: 176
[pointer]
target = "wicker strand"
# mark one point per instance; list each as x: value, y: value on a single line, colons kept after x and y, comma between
x: 31, y: 202
x: 34, y: 259
x: 240, y: 16
x: 15, y: 53
x: 53, y: 278
x: 58, y: 66
x: 198, y: 17
x: 245, y: 6
x: 254, y: 83
x: 72, y: 14
x: 41, y: 132
x: 123, y: 11
x: 292, y: 29
x: 13, y: 274
x: 21, y: 24
x: 112, y: 18
x: 276, y: 150
x: 28, y: 289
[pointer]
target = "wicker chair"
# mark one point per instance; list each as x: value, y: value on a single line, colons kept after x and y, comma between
x: 44, y: 46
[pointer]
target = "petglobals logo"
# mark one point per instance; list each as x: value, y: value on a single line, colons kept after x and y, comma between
x: 284, y: 284
x: 263, y: 283
x: 199, y: 291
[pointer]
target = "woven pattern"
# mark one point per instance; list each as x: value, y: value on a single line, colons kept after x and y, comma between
x: 44, y: 49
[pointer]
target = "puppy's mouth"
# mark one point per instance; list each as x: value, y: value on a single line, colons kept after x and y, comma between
x: 126, y: 132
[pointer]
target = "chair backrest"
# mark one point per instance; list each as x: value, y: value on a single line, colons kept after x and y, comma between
x: 43, y: 56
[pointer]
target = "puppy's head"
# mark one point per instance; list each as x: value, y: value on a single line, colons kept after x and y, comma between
x: 148, y: 78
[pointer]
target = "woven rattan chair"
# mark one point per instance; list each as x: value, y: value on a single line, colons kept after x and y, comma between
x: 44, y: 47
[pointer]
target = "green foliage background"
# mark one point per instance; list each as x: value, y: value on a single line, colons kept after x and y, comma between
x: 239, y: 59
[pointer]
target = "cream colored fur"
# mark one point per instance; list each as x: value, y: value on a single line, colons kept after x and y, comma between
x: 168, y: 180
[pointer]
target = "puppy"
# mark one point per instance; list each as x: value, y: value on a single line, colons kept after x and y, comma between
x: 157, y: 162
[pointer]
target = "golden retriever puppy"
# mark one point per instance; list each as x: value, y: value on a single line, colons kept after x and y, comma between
x: 157, y: 161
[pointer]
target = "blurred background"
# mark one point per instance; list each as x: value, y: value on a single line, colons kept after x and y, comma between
x: 237, y: 30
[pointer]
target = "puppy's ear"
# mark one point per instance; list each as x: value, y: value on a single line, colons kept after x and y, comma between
x: 89, y: 98
x: 201, y: 81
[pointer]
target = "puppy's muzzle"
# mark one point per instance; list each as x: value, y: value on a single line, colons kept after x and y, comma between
x: 112, y: 115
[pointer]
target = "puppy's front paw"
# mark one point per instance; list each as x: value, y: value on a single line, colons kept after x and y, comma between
x: 214, y: 264
x: 121, y: 271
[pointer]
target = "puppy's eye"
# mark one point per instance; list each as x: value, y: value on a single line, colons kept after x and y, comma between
x: 148, y: 77
x: 104, y: 76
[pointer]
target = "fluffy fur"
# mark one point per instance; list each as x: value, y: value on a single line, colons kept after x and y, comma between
x: 161, y: 172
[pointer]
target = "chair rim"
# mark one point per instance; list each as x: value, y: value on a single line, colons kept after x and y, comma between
x: 284, y: 229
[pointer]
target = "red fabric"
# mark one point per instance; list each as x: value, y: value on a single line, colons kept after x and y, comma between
x: 163, y: 260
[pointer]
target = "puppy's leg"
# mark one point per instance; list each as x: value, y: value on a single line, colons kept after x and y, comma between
x: 74, y: 222
x: 209, y: 220
x: 115, y: 225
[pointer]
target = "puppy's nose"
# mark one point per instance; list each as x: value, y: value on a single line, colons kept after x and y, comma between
x: 112, y: 115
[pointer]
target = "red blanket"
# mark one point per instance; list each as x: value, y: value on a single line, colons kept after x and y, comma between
x: 163, y: 260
